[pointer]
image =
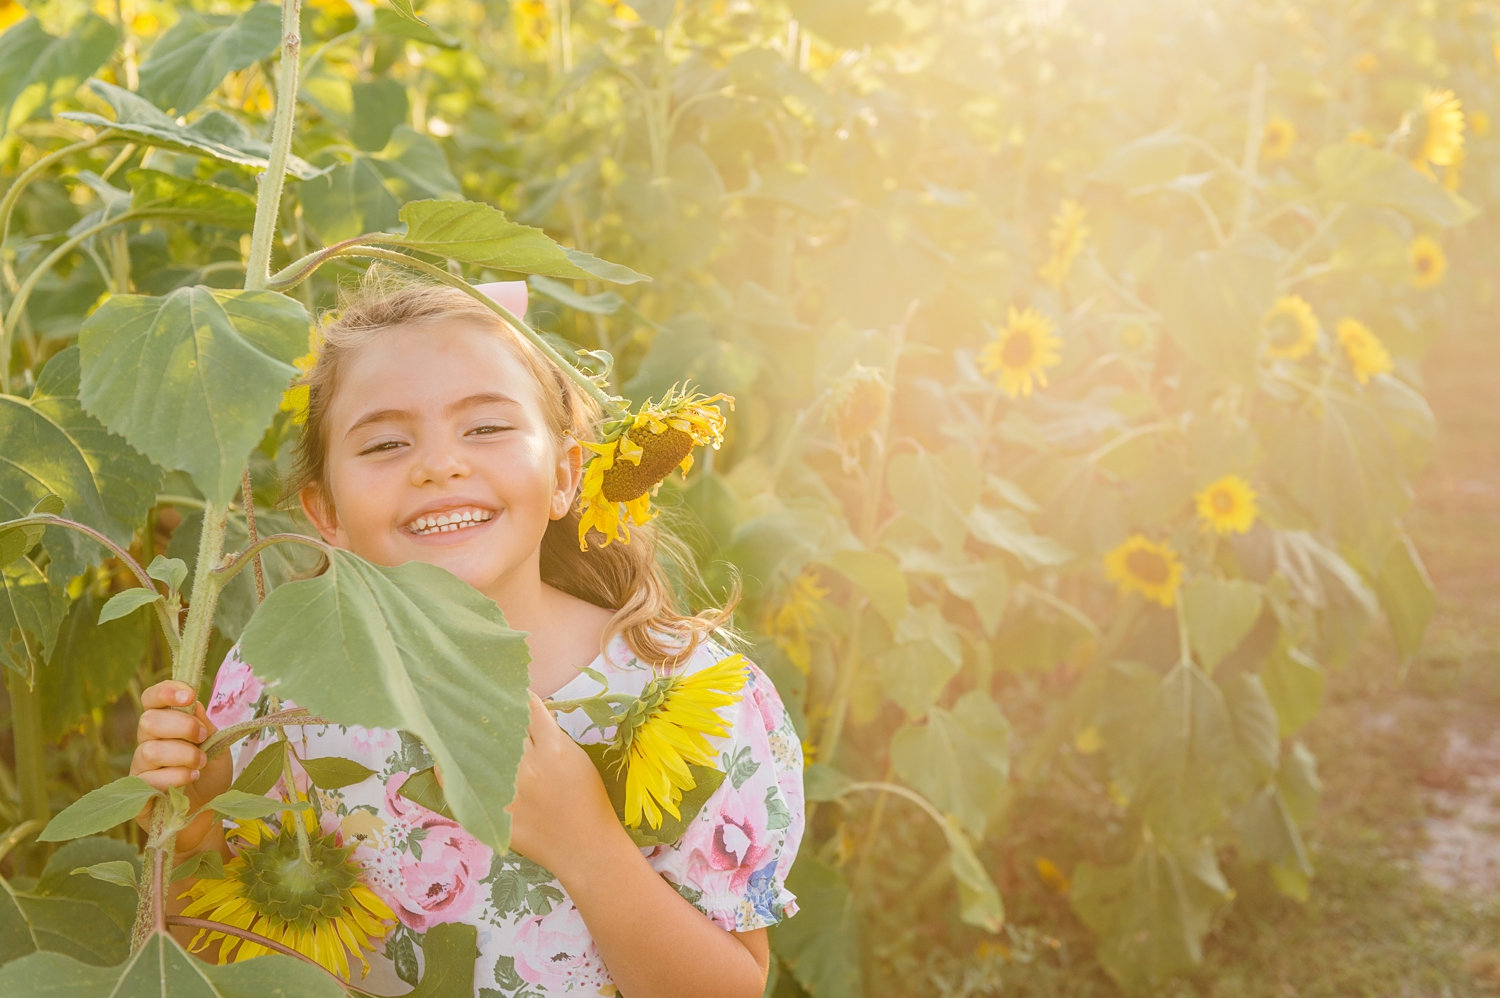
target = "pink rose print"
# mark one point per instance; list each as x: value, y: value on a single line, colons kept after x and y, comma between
x: 769, y: 705
x: 443, y: 884
x: 737, y: 846
x: 235, y: 691
x: 546, y: 954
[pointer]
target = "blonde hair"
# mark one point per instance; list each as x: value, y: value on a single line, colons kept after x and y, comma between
x: 630, y: 579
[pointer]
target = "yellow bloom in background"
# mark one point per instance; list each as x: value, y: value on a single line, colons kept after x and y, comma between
x: 1479, y: 123
x: 1066, y: 241
x: 1227, y: 506
x: 1290, y: 328
x: 1443, y: 135
x: 318, y: 908
x: 10, y: 13
x: 1428, y: 261
x: 1367, y: 355
x: 1021, y: 353
x: 1453, y: 173
x: 1277, y: 139
x: 637, y: 453
x: 1052, y: 876
x: 1142, y: 566
x: 533, y: 25
x: 1088, y: 741
x: 1366, y: 63
x: 295, y: 399
x: 1360, y: 137
x: 799, y: 612
x: 667, y: 730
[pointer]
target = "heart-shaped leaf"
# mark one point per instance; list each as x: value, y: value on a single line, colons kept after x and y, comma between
x: 189, y: 61
x: 220, y: 361
x: 99, y: 810
x: 412, y: 648
x: 481, y: 235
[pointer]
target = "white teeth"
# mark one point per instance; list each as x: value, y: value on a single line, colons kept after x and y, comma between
x: 446, y: 523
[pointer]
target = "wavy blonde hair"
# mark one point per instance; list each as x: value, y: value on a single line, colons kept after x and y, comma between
x: 631, y: 579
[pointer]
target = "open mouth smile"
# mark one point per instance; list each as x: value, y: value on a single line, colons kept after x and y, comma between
x: 447, y: 523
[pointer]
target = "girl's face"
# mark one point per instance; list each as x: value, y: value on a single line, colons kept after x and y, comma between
x: 438, y: 451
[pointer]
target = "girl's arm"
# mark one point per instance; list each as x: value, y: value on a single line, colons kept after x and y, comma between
x: 653, y: 941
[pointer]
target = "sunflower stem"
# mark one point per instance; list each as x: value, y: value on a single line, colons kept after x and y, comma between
x: 303, y: 845
x: 263, y: 236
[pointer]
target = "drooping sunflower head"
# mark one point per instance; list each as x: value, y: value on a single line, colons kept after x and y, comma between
x: 1021, y: 353
x: 1290, y: 329
x: 857, y: 401
x: 1276, y: 139
x: 1146, y: 567
x: 1428, y: 261
x: 1226, y: 506
x: 639, y: 451
x: 315, y: 905
x: 667, y: 730
x: 1066, y: 240
x: 1367, y: 355
x: 1442, y: 128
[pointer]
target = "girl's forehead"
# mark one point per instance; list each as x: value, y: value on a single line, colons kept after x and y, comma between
x: 432, y: 360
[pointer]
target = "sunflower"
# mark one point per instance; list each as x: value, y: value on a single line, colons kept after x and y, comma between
x: 857, y: 401
x: 1226, y: 506
x: 667, y: 730
x: 312, y: 902
x: 1066, y: 239
x: 1150, y: 569
x: 533, y: 26
x: 1367, y: 355
x: 11, y: 13
x: 1291, y: 329
x: 1024, y: 348
x: 1427, y: 260
x: 295, y: 399
x: 637, y: 453
x: 1444, y: 135
x: 799, y: 612
x: 1277, y: 139
x: 1453, y: 173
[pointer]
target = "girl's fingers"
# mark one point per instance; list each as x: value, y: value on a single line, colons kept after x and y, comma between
x: 163, y: 753
x: 167, y: 693
x: 172, y: 724
x: 541, y: 719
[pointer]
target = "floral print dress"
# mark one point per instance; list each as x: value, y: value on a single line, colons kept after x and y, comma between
x: 731, y: 862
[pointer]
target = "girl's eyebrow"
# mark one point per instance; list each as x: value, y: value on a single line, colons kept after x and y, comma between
x: 467, y: 402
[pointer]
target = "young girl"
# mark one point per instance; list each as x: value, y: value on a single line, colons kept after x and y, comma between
x: 437, y: 433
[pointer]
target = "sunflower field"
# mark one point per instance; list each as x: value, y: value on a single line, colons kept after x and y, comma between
x: 1073, y: 348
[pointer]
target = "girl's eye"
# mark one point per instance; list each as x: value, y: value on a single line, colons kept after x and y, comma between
x: 489, y: 428
x: 384, y: 445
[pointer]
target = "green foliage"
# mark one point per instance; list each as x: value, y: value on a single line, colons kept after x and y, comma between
x: 841, y: 207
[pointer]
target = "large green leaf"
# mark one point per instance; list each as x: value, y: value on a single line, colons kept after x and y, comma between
x: 936, y: 490
x: 379, y: 106
x: 413, y: 648
x: 166, y: 195
x: 878, y: 577
x: 1219, y: 614
x: 1255, y: 725
x: 1406, y: 596
x: 1294, y: 682
x: 219, y: 361
x: 188, y: 61
x: 215, y: 134
x: 1213, y: 302
x: 77, y: 916
x: 478, y: 234
x: 449, y: 952
x: 960, y: 758
x: 365, y: 194
x: 1357, y: 174
x: 162, y: 969
x: 37, y: 68
x: 821, y: 945
x: 99, y: 810
x: 1153, y: 912
x: 91, y: 664
x: 1184, y: 757
x: 53, y: 447
x: 31, y: 611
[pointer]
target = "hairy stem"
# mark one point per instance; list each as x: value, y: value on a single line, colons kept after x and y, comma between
x: 26, y: 730
x: 187, y: 664
x: 232, y: 568
x: 226, y: 736
x: 258, y: 265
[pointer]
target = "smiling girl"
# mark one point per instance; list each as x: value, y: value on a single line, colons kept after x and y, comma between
x: 436, y: 433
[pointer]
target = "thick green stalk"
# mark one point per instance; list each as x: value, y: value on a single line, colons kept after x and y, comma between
x: 187, y: 665
x: 258, y: 265
x: 26, y: 730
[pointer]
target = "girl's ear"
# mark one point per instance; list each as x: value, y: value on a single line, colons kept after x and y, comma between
x: 320, y: 511
x: 569, y: 473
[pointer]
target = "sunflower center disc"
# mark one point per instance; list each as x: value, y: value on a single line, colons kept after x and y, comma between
x: 1018, y: 351
x: 1149, y: 566
x: 661, y: 453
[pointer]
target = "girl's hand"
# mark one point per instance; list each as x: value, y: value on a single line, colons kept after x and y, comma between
x: 167, y: 755
x: 561, y: 809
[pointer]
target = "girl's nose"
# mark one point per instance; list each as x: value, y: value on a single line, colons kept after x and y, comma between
x: 438, y: 463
